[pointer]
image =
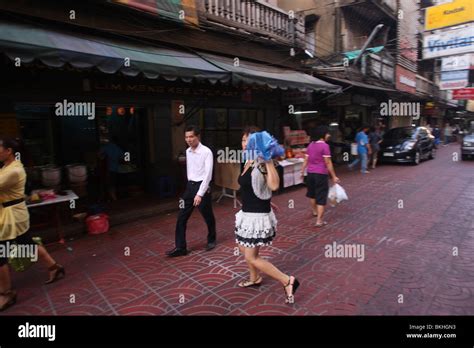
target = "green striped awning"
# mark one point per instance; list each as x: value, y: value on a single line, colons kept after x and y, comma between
x: 56, y: 48
x: 354, y: 54
x: 274, y: 77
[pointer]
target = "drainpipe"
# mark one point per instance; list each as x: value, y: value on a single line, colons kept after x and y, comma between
x: 337, y: 27
x: 367, y: 43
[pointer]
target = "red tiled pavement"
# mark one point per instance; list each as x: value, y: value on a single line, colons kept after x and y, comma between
x: 408, y: 252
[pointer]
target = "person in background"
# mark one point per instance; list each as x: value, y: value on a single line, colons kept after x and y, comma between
x: 456, y: 131
x: 15, y: 221
x: 199, y: 164
x: 437, y: 135
x: 375, y: 138
x: 114, y: 155
x: 319, y: 164
x: 363, y: 150
x: 381, y: 127
x: 256, y: 223
x: 448, y: 132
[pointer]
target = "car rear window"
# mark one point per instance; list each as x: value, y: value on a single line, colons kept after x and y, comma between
x: 399, y: 133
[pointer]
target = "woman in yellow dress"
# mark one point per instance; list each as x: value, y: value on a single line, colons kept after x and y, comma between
x: 15, y: 221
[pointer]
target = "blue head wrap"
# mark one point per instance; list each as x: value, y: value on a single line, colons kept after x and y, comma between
x: 264, y: 146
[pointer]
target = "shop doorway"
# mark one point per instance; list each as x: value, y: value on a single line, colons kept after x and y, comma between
x: 123, y: 149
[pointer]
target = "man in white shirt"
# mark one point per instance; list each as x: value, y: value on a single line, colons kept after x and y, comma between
x: 199, y: 163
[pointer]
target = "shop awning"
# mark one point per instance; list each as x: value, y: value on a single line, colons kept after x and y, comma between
x: 360, y: 84
x: 273, y: 77
x: 55, y: 49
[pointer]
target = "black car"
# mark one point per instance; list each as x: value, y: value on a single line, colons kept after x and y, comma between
x: 407, y: 145
x: 467, y: 146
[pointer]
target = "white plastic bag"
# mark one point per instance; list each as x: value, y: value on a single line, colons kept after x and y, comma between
x: 354, y: 151
x: 337, y: 194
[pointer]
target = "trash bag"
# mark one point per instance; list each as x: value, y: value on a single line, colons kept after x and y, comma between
x: 337, y: 194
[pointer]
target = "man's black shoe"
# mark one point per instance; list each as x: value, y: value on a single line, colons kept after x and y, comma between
x: 210, y: 246
x: 176, y: 252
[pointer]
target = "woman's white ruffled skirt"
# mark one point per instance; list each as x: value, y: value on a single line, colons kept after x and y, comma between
x: 255, y: 229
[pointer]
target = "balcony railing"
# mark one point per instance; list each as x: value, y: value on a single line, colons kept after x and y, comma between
x: 425, y: 86
x: 255, y: 17
x: 381, y: 67
x: 374, y: 9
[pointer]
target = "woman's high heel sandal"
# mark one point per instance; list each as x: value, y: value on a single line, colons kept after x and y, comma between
x: 295, y: 285
x: 11, y: 294
x: 59, y: 273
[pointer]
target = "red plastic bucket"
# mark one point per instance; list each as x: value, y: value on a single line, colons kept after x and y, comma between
x: 97, y: 224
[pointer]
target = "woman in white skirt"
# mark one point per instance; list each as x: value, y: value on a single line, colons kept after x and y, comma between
x: 256, y: 223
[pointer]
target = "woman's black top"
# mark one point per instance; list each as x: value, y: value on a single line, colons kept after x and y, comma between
x: 250, y: 202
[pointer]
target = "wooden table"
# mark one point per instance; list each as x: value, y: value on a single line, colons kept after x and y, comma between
x: 55, y: 205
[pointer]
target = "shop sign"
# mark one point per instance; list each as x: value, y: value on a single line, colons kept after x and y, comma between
x: 463, y: 94
x: 406, y: 80
x: 296, y: 97
x: 340, y: 100
x: 454, y: 79
x: 364, y: 100
x: 449, y: 14
x: 160, y: 89
x: 453, y: 63
x: 179, y: 10
x: 449, y: 42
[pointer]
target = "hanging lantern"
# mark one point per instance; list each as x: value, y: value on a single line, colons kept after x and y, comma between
x: 108, y: 111
x: 132, y: 110
x: 121, y: 111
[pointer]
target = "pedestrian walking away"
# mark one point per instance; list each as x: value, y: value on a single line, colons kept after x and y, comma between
x: 15, y: 222
x: 319, y: 164
x: 199, y: 163
x: 363, y: 150
x: 256, y: 223
x: 375, y: 138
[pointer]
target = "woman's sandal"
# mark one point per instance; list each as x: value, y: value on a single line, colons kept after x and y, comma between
x: 248, y: 283
x: 295, y: 285
x: 59, y: 273
x: 11, y: 294
x: 321, y: 224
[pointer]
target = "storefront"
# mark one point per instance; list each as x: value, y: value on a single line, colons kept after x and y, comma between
x: 142, y: 106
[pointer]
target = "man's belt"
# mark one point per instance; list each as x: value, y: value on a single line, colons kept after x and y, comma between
x: 14, y: 202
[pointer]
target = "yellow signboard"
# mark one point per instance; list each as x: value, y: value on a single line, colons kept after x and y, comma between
x: 449, y: 14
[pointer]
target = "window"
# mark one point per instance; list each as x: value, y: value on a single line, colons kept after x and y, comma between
x: 36, y: 130
x: 223, y: 127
